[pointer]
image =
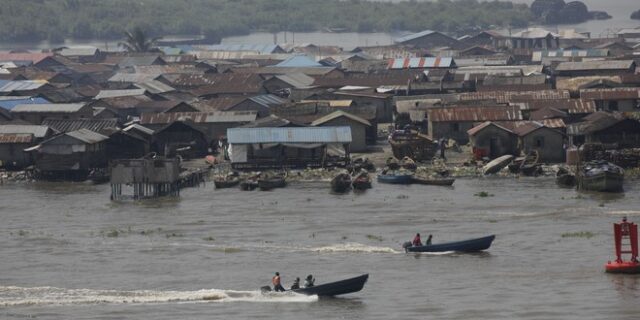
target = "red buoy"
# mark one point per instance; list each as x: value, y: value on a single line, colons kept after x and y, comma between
x: 626, y: 238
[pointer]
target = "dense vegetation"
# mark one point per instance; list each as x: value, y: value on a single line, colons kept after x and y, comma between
x: 100, y: 19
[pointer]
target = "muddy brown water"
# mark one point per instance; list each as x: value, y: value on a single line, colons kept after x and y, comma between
x: 69, y: 253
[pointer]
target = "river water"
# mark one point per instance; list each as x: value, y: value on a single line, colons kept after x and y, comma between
x: 620, y: 10
x: 69, y: 253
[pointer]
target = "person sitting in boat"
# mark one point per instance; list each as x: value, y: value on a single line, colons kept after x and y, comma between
x: 309, y: 281
x: 277, y: 286
x: 428, y: 243
x: 296, y: 284
x: 417, y: 242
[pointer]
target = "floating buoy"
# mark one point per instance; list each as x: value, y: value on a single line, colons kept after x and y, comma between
x: 626, y: 241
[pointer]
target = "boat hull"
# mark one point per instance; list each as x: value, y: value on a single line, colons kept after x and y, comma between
x: 336, y: 288
x: 627, y: 267
x: 434, y: 182
x: 602, y: 182
x: 221, y: 184
x: 395, y: 179
x: 341, y: 183
x: 497, y: 164
x: 471, y: 245
x: 272, y: 184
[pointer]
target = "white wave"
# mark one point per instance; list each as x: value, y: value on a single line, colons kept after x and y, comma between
x: 18, y: 296
x: 354, y: 247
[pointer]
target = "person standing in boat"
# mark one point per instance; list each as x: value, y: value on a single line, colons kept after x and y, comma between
x: 428, y: 243
x: 417, y: 242
x: 277, y: 284
x: 309, y: 281
x: 296, y: 284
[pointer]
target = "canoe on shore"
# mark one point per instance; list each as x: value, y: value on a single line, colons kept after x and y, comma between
x: 268, y: 181
x: 471, y: 245
x: 331, y: 289
x: 362, y: 181
x: 341, y: 183
x: 395, y: 178
x: 226, y: 182
x: 497, y: 164
x: 433, y: 182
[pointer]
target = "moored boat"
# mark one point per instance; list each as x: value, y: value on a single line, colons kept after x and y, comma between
x: 341, y: 183
x: 600, y: 176
x: 268, y: 182
x: 226, y: 182
x: 497, y: 164
x: 433, y: 182
x: 395, y: 178
x: 331, y: 289
x: 564, y: 178
x: 471, y: 245
x: 362, y: 181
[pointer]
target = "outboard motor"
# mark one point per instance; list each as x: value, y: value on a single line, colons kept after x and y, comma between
x: 407, y: 245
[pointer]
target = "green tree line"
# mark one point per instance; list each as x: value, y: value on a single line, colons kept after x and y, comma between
x: 55, y: 20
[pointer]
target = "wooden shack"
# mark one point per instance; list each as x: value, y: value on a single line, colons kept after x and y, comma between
x: 492, y: 140
x: 71, y: 155
x: 288, y: 147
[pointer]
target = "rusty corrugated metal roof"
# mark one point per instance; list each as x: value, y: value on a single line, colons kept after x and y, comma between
x: 7, y: 138
x: 474, y: 114
x: 198, y: 117
x: 610, y: 94
x: 510, y: 96
x: 572, y: 106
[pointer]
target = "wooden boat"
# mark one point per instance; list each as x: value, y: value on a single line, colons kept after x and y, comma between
x: 341, y: 183
x: 226, y: 182
x: 433, y: 182
x: 527, y: 165
x: 249, y: 184
x: 564, y: 178
x: 497, y: 164
x: 408, y: 164
x: 395, y: 178
x: 330, y: 289
x: 601, y: 176
x: 268, y: 182
x: 362, y: 181
x: 471, y: 245
x: 363, y: 164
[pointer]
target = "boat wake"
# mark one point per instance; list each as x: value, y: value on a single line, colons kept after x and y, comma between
x: 355, y: 248
x: 333, y: 248
x: 19, y: 296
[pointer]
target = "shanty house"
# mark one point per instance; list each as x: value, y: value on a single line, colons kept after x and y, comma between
x: 12, y: 145
x: 492, y: 140
x: 454, y: 122
x: 14, y: 139
x: 213, y: 124
x: 37, y: 113
x: 70, y: 155
x: 534, y: 38
x: 613, y: 99
x: 261, y: 104
x: 358, y: 127
x: 251, y: 148
x: 429, y: 39
x: 611, y: 129
x: 536, y: 137
x: 595, y: 68
x: 180, y: 138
